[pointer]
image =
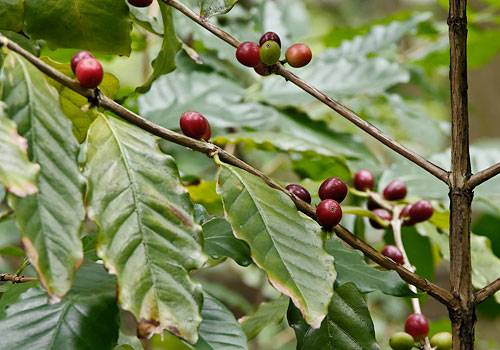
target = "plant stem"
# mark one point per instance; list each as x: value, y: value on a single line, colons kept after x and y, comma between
x: 21, y: 268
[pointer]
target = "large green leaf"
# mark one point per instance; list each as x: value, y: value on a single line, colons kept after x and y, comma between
x: 352, y: 267
x: 85, y: 319
x: 12, y: 15
x: 148, y: 236
x: 101, y: 26
x: 210, y: 8
x: 219, y: 330
x: 336, y: 78
x: 17, y: 173
x: 348, y: 325
x: 267, y: 313
x: 220, y: 242
x: 165, y: 61
x: 51, y: 220
x: 72, y: 102
x: 12, y: 293
x: 286, y: 244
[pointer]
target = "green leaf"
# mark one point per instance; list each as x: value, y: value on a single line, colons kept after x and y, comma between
x: 142, y: 17
x: 286, y: 244
x: 165, y: 61
x: 352, y: 267
x: 12, y: 15
x: 17, y: 173
x: 211, y: 8
x: 85, y: 319
x: 72, y: 102
x: 52, y: 219
x: 26, y: 43
x: 147, y: 234
x: 100, y: 26
x: 220, y: 242
x: 11, y: 250
x: 345, y: 78
x: 219, y: 329
x: 348, y: 325
x: 267, y: 313
x: 11, y: 294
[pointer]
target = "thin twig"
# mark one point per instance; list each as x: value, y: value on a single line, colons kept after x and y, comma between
x: 210, y: 150
x: 15, y: 278
x: 487, y: 291
x: 345, y: 112
x: 483, y: 176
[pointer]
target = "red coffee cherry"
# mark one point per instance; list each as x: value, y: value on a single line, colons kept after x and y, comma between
x: 248, y: 54
x: 364, y: 180
x: 395, y: 190
x: 371, y: 204
x: 270, y: 36
x: 417, y: 326
x: 393, y: 252
x: 405, y: 215
x: 300, y: 192
x: 77, y: 57
x: 381, y: 213
x: 89, y: 73
x: 140, y: 3
x: 261, y: 69
x: 328, y: 213
x: 194, y: 125
x: 333, y: 188
x: 208, y: 133
x: 298, y: 55
x: 421, y: 211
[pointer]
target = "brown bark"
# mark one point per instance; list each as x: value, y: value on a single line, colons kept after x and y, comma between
x: 463, y: 317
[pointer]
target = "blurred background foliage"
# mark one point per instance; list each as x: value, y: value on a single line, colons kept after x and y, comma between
x: 387, y: 61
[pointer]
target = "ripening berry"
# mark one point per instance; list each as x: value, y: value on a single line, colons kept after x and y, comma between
x: 270, y: 52
x: 381, y: 213
x: 248, y: 54
x: 395, y: 190
x: 77, y: 57
x: 364, y: 180
x: 333, y: 188
x: 405, y: 215
x: 401, y: 341
x: 208, y: 133
x: 328, y: 213
x: 300, y: 192
x: 194, y: 125
x: 140, y: 3
x: 298, y: 55
x: 261, y: 69
x: 393, y: 252
x: 421, y: 211
x: 441, y: 341
x: 270, y: 36
x: 89, y: 73
x: 417, y: 326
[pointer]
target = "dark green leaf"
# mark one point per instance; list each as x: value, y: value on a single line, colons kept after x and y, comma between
x: 12, y: 15
x: 220, y: 242
x: 147, y: 234
x: 26, y: 43
x: 85, y: 319
x: 352, y: 267
x: 267, y: 313
x: 11, y: 294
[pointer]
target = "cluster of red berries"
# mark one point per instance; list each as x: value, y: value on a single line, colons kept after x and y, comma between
x: 416, y: 329
x: 87, y: 69
x: 195, y: 125
x: 260, y: 57
x: 140, y: 3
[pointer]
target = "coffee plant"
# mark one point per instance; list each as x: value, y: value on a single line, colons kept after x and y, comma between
x: 187, y: 175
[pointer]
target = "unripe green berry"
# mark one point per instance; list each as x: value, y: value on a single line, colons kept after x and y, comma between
x: 270, y: 52
x: 441, y: 341
x: 401, y: 341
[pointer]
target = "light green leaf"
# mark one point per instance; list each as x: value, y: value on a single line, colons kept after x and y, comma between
x: 17, y: 173
x: 352, y: 267
x: 12, y: 15
x: 100, y: 26
x: 11, y: 250
x: 85, y: 319
x: 72, y: 102
x: 348, y: 325
x: 165, y: 61
x: 219, y: 330
x: 220, y: 242
x: 267, y: 313
x: 286, y: 244
x: 142, y: 17
x: 148, y: 236
x: 52, y: 219
x: 211, y: 8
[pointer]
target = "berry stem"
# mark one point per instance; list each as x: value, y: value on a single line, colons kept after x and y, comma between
x: 396, y: 224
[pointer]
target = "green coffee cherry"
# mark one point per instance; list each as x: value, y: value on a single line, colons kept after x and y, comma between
x: 441, y: 341
x: 401, y: 341
x: 270, y: 52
